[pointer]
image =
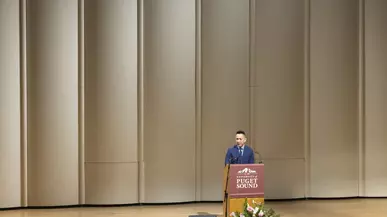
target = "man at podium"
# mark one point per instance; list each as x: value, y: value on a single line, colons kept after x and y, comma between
x: 239, y: 153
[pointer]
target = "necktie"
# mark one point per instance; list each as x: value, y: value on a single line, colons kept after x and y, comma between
x: 240, y: 152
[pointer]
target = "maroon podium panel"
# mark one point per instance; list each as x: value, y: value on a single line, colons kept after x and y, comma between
x: 246, y: 180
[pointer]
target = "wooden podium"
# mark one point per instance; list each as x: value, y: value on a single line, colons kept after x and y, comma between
x: 242, y: 181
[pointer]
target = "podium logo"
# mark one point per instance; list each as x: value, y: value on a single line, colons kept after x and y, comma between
x: 247, y: 178
x: 247, y: 171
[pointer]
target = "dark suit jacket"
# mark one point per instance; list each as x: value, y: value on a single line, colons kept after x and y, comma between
x: 233, y: 157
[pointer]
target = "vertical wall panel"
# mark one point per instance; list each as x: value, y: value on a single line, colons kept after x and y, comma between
x: 169, y: 100
x: 278, y: 94
x: 111, y: 101
x: 52, y: 65
x: 375, y: 97
x: 225, y: 86
x: 278, y: 82
x: 9, y: 104
x: 334, y: 94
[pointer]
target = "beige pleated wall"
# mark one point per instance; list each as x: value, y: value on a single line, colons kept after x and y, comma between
x: 129, y: 101
x: 52, y: 102
x: 10, y: 135
x: 110, y: 51
x: 277, y: 88
x: 169, y: 101
x: 375, y: 101
x: 225, y: 86
x: 334, y: 93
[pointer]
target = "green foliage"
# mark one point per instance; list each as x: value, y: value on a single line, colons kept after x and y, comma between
x: 255, y: 210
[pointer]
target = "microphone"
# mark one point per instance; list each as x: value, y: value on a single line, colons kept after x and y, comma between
x: 233, y: 159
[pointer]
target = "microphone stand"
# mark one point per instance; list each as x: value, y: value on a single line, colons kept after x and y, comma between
x: 259, y: 155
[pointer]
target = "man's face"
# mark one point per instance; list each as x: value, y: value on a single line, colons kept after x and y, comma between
x: 240, y: 139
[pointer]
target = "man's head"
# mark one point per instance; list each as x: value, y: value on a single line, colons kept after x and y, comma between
x: 240, y: 138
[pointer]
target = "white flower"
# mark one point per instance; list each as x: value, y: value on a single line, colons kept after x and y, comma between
x: 255, y: 210
x: 260, y: 214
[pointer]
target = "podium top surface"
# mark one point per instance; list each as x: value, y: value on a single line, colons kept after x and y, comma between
x: 247, y: 165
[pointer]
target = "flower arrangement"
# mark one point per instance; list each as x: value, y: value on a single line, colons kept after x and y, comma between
x: 256, y: 210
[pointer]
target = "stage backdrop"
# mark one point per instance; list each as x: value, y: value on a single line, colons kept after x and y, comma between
x: 126, y: 101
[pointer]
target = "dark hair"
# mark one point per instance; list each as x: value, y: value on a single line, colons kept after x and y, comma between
x: 241, y: 132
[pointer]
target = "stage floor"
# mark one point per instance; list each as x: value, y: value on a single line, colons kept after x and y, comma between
x: 302, y: 208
